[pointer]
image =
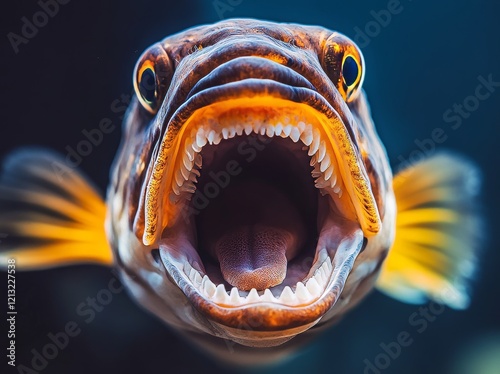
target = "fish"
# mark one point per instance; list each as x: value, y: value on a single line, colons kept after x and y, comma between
x: 251, y: 203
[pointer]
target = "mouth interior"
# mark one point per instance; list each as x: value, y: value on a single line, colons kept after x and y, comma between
x: 260, y: 211
x: 258, y: 222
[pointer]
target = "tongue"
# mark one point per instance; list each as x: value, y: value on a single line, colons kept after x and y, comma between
x: 254, y: 256
x: 253, y: 230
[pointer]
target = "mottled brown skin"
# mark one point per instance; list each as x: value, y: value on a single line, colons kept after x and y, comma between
x: 188, y: 78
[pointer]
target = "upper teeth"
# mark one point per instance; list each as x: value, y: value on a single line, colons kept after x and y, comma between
x: 300, y: 294
x: 324, y: 171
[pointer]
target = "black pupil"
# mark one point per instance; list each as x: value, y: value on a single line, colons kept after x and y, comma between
x: 147, y: 85
x: 350, y: 70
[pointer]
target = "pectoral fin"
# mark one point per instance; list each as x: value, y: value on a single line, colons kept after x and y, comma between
x: 50, y: 215
x: 437, y: 233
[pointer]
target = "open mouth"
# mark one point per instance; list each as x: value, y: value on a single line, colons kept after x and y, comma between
x: 260, y: 223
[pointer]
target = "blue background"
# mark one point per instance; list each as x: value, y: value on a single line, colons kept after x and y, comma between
x: 424, y: 60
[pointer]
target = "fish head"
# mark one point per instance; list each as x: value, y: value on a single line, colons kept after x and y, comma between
x: 251, y: 197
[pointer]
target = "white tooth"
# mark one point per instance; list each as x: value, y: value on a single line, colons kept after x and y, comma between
x: 248, y: 129
x: 287, y: 296
x: 211, y: 136
x: 174, y: 199
x: 323, y: 256
x: 328, y: 172
x: 217, y: 139
x: 190, y: 183
x: 278, y: 129
x: 201, y: 140
x: 329, y: 266
x: 198, y: 279
x: 262, y: 130
x: 336, y: 189
x: 313, y: 162
x: 287, y: 130
x: 198, y: 161
x: 302, y: 292
x: 321, y: 183
x: 295, y: 134
x: 321, y: 151
x: 204, y: 280
x: 179, y: 178
x: 184, y: 172
x: 239, y: 130
x: 175, y: 188
x: 320, y: 277
x: 232, y: 132
x: 333, y: 181
x: 195, y: 147
x: 315, y: 174
x: 192, y: 274
x: 268, y: 296
x: 313, y: 287
x: 325, y: 266
x: 315, y: 143
x: 189, y: 152
x: 323, y: 277
x: 208, y: 286
x: 234, y: 297
x: 301, y: 126
x: 188, y: 188
x: 220, y: 295
x: 325, y: 163
x: 225, y: 133
x: 253, y: 296
x: 307, y: 136
x: 270, y: 131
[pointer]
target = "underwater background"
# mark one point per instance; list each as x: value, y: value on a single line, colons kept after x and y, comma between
x: 422, y: 58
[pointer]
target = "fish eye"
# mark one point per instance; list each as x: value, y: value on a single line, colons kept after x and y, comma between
x: 153, y: 74
x: 148, y: 86
x: 350, y: 71
x: 342, y: 61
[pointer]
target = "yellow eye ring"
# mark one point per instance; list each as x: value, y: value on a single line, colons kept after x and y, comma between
x: 343, y: 62
x: 147, y: 85
x: 152, y: 77
x: 350, y: 70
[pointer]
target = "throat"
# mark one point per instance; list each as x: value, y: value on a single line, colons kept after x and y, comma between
x: 253, y: 230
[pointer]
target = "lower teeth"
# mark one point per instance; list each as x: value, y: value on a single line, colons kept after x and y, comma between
x: 303, y: 294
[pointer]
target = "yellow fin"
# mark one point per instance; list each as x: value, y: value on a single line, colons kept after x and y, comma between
x: 50, y: 214
x: 437, y: 233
